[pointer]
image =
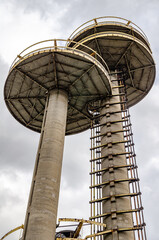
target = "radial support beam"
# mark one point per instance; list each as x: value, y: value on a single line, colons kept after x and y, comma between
x: 31, y: 78
x: 40, y: 222
x: 125, y: 51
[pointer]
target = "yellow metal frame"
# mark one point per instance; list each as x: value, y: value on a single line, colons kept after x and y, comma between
x: 13, y: 230
x: 69, y: 239
x: 79, y: 227
x: 56, y: 45
x: 105, y: 20
x: 77, y: 231
x: 81, y: 220
x: 112, y: 34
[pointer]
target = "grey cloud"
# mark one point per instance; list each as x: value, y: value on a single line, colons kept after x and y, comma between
x: 145, y: 122
x: 68, y: 11
x: 18, y: 145
x: 8, y: 198
x: 13, y: 152
x: 13, y: 137
x: 3, y: 69
x: 76, y: 160
x: 45, y: 8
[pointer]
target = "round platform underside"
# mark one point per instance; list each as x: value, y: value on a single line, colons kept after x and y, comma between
x: 125, y: 53
x: 31, y: 79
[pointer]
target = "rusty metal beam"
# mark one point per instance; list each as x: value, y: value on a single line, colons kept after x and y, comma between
x: 77, y: 79
x: 21, y: 98
x: 140, y: 68
x: 84, y: 114
x: 31, y: 78
x: 55, y: 71
x: 125, y: 51
x: 18, y: 112
x: 129, y: 70
x: 105, y: 86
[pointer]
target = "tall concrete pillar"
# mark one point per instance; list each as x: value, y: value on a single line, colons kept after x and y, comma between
x: 113, y: 140
x: 40, y: 223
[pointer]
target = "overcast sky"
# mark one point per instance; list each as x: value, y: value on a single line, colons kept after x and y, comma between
x: 23, y: 23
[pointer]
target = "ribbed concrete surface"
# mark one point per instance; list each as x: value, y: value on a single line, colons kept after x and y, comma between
x: 41, y: 220
x: 115, y: 204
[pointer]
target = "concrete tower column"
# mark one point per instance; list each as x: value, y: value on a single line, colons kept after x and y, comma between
x: 40, y: 223
x: 114, y: 145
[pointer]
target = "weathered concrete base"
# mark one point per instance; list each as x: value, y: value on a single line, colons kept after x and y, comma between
x: 40, y: 223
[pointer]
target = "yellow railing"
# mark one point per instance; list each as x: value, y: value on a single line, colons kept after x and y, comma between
x: 12, y: 231
x: 57, y: 45
x: 107, y: 20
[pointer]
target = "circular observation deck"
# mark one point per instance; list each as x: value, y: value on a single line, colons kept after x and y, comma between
x: 48, y: 65
x: 124, y: 47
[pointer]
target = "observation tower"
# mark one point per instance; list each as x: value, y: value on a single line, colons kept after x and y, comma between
x: 115, y: 190
x: 62, y: 87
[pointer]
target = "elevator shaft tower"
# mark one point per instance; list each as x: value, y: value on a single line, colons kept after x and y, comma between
x: 115, y: 192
